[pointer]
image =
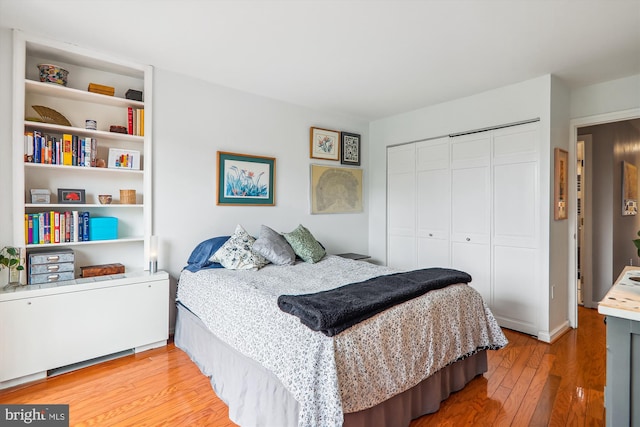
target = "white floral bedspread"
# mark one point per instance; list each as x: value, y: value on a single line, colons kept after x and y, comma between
x: 356, y: 369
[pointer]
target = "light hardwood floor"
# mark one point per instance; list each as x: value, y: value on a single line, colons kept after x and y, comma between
x: 529, y: 383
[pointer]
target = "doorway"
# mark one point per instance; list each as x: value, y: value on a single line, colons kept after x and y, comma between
x: 592, y: 272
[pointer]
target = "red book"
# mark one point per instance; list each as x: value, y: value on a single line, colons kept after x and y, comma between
x: 130, y: 121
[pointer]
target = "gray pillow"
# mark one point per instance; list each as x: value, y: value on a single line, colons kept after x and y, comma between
x: 273, y: 246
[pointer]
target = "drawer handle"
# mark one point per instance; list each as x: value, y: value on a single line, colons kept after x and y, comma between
x: 53, y: 258
x: 53, y: 267
x: 430, y: 234
x: 468, y: 239
x: 53, y: 277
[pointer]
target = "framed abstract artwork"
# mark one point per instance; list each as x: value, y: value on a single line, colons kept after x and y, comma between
x: 335, y: 190
x: 560, y: 190
x: 246, y: 180
x: 324, y: 144
x: 350, y: 149
x: 629, y: 189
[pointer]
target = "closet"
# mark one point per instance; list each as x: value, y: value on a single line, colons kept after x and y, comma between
x: 472, y: 202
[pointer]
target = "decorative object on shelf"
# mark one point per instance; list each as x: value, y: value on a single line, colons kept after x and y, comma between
x: 350, y: 149
x: 118, y: 129
x: 335, y: 190
x: 124, y: 159
x: 103, y: 228
x: 101, y: 89
x: 105, y: 199
x: 48, y: 265
x: 246, y: 180
x: 134, y: 95
x: 153, y: 254
x: 71, y: 196
x: 324, y: 144
x: 10, y: 259
x: 127, y: 197
x: 101, y: 270
x: 636, y: 242
x: 100, y: 163
x: 629, y: 189
x: 560, y: 184
x: 50, y: 73
x: 90, y: 124
x: 39, y: 195
x: 49, y: 115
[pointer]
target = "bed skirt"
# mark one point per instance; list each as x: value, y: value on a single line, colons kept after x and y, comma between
x: 256, y: 397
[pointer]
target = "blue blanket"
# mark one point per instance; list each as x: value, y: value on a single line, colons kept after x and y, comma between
x: 335, y: 310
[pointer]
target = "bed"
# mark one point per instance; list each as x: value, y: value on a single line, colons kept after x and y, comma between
x: 272, y: 370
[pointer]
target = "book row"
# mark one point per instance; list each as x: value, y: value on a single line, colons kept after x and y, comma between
x: 56, y: 227
x: 68, y: 150
x: 135, y: 121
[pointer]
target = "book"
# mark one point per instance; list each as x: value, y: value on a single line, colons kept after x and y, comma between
x: 47, y: 227
x: 28, y: 225
x: 56, y: 227
x: 141, y: 125
x: 74, y: 150
x: 63, y: 223
x: 74, y: 218
x: 85, y: 226
x: 28, y: 147
x: 130, y: 120
x: 67, y: 150
x: 35, y: 238
x: 41, y: 228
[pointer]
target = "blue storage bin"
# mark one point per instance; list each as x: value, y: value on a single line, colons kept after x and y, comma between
x: 103, y: 228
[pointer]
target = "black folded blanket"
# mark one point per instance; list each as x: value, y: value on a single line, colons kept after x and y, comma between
x: 335, y: 310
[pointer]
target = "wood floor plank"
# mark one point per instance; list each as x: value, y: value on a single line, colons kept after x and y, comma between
x: 527, y: 383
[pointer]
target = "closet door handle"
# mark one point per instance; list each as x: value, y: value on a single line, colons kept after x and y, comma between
x: 430, y: 234
x: 468, y: 239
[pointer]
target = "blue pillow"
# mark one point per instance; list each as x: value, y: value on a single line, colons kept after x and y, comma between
x: 199, y: 258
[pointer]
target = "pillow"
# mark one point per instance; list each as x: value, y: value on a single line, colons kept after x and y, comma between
x: 236, y: 253
x: 305, y: 245
x: 199, y: 258
x: 273, y: 246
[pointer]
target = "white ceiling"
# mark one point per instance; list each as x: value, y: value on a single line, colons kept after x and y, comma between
x: 368, y: 59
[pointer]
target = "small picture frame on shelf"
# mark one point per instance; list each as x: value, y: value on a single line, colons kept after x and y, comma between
x: 350, y: 149
x: 71, y: 196
x: 124, y: 159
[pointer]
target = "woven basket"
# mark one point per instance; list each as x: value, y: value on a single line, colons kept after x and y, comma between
x: 127, y: 197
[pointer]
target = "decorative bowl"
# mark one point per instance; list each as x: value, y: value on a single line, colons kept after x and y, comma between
x: 105, y: 199
x: 50, y: 73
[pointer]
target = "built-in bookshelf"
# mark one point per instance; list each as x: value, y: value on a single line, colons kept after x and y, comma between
x: 60, y: 321
x: 93, y: 173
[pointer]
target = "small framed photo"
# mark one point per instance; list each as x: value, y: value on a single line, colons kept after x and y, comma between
x: 246, y: 180
x: 325, y: 144
x: 350, y: 149
x: 124, y: 159
x: 71, y: 196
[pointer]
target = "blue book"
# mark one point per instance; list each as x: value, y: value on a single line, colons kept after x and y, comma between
x: 36, y: 228
x: 85, y: 226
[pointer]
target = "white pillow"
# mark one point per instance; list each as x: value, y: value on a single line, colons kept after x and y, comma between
x: 237, y: 253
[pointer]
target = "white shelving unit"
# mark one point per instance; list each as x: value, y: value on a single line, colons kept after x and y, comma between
x: 61, y: 325
x: 77, y: 104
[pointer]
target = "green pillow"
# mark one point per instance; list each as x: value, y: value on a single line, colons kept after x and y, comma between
x: 305, y: 245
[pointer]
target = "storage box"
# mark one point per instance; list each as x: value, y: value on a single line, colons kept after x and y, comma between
x: 40, y: 196
x: 133, y: 94
x: 101, y: 270
x: 102, y: 89
x: 103, y: 228
x: 51, y: 265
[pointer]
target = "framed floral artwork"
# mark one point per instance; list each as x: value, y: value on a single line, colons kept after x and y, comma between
x: 246, y: 180
x: 324, y: 144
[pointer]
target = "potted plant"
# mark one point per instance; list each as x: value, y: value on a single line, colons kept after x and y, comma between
x: 10, y: 259
x: 637, y: 243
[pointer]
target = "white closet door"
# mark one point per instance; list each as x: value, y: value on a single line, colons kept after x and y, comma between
x: 401, y: 207
x: 515, y: 241
x: 433, y: 193
x: 471, y: 209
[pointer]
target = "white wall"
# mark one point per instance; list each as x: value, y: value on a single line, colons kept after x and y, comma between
x: 194, y: 119
x: 612, y: 96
